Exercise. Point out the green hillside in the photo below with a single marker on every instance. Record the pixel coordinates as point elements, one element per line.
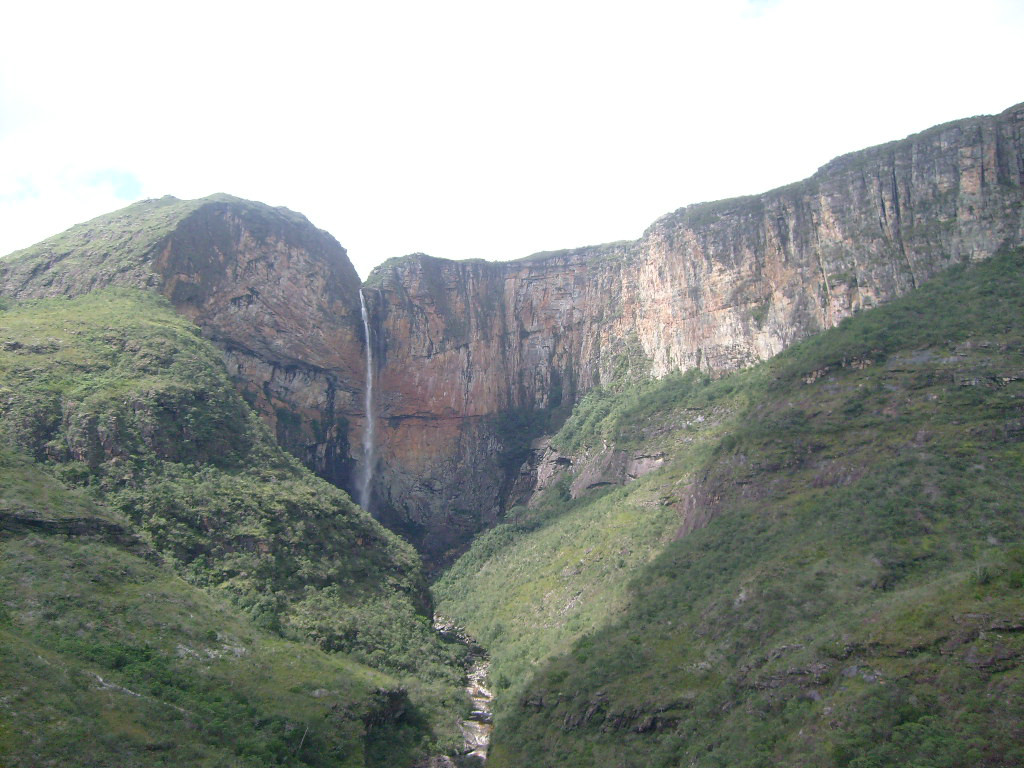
<point>827,570</point>
<point>125,427</point>
<point>108,658</point>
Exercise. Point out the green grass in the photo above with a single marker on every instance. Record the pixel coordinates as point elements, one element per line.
<point>826,571</point>
<point>116,661</point>
<point>109,658</point>
<point>27,494</point>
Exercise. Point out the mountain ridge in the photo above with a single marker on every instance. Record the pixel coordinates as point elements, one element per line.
<point>278,296</point>
<point>476,358</point>
<point>712,286</point>
<point>716,535</point>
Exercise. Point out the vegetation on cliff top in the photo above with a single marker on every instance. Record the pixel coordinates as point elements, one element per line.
<point>116,241</point>
<point>119,247</point>
<point>120,398</point>
<point>826,571</point>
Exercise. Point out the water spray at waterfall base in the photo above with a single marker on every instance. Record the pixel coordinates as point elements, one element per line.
<point>366,472</point>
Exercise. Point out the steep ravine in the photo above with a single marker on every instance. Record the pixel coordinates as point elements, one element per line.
<point>434,386</point>
<point>825,570</point>
<point>477,725</point>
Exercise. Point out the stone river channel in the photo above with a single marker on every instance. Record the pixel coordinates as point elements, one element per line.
<point>476,728</point>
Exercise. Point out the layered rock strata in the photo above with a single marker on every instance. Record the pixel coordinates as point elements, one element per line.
<point>467,347</point>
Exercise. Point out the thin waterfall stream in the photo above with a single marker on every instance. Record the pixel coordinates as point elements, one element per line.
<point>369,431</point>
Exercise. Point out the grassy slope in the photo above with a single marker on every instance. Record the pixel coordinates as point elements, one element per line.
<point>856,598</point>
<point>110,658</point>
<point>121,398</point>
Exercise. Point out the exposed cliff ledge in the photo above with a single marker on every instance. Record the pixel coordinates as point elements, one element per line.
<point>714,286</point>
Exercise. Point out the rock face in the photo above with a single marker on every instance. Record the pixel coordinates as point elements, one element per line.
<point>474,359</point>
<point>464,345</point>
<point>614,467</point>
<point>278,297</point>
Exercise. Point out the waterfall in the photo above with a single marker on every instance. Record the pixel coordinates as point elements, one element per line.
<point>366,475</point>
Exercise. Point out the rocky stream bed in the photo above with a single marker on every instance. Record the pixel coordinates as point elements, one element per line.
<point>476,727</point>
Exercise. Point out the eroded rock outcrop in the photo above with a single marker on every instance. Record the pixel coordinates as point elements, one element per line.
<point>278,296</point>
<point>614,467</point>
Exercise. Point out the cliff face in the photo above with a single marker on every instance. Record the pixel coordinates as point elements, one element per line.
<point>281,299</point>
<point>278,297</point>
<point>473,359</point>
<point>466,348</point>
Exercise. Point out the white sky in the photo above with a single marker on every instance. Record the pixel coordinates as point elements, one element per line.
<point>471,129</point>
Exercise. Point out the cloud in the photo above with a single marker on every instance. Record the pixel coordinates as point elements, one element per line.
<point>471,129</point>
<point>124,185</point>
<point>33,208</point>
